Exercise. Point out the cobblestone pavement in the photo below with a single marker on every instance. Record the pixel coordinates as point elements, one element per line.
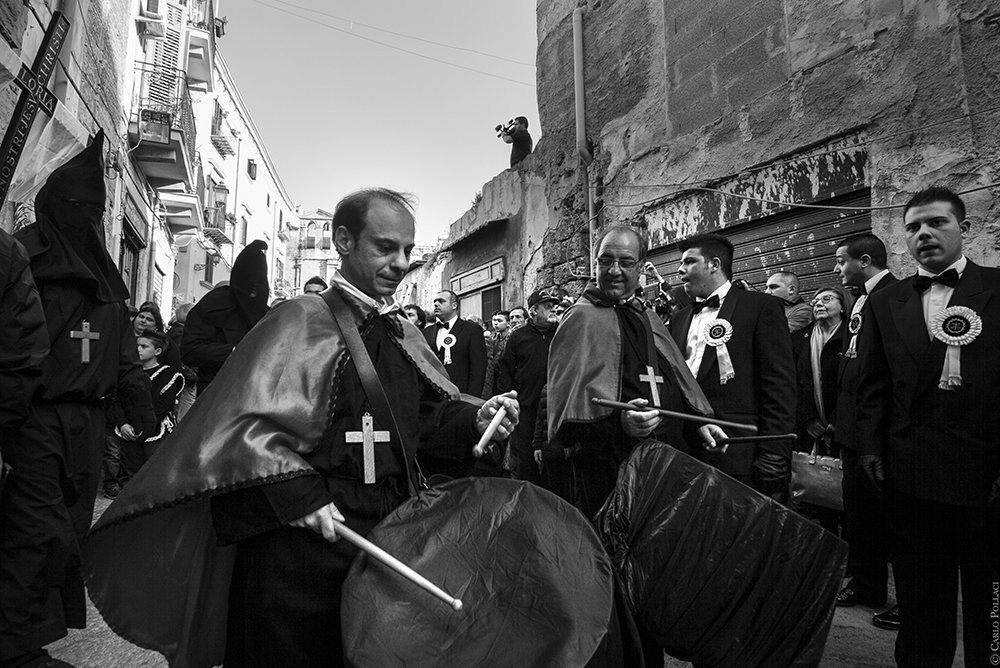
<point>853,641</point>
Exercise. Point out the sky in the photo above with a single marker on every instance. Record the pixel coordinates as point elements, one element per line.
<point>338,113</point>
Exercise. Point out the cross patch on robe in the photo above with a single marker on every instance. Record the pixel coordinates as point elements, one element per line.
<point>654,384</point>
<point>85,336</point>
<point>368,437</point>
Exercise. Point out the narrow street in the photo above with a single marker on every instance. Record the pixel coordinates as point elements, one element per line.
<point>853,641</point>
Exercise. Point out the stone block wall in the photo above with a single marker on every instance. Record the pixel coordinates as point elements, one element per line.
<point>689,92</point>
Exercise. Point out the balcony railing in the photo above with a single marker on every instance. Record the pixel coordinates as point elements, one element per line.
<point>165,90</point>
<point>163,129</point>
<point>201,44</point>
<point>220,227</point>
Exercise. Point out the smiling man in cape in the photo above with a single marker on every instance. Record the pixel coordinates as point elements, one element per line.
<point>611,346</point>
<point>224,546</point>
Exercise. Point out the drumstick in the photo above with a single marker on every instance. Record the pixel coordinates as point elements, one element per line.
<point>480,448</point>
<point>672,414</point>
<point>757,439</point>
<point>395,564</point>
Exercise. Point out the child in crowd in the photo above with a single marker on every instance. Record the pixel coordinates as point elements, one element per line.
<point>166,383</point>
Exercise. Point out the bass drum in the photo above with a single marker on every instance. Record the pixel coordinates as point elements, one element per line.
<point>536,586</point>
<point>716,573</point>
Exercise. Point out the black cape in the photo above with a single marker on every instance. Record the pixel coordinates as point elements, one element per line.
<point>153,565</point>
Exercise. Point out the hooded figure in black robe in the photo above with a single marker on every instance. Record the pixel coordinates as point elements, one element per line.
<point>223,317</point>
<point>56,455</point>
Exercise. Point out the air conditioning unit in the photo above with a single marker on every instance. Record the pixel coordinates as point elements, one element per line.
<point>154,126</point>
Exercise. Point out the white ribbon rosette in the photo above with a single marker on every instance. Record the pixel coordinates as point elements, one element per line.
<point>448,342</point>
<point>717,332</point>
<point>956,326</point>
<point>854,328</point>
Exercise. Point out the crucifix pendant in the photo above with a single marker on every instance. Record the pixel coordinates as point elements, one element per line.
<point>85,336</point>
<point>654,384</point>
<point>367,437</point>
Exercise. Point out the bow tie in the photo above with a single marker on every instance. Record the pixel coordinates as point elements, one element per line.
<point>444,325</point>
<point>711,302</point>
<point>923,283</point>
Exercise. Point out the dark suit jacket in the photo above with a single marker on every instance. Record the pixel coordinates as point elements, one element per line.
<point>850,371</point>
<point>939,445</point>
<point>829,362</point>
<point>468,357</point>
<point>763,391</point>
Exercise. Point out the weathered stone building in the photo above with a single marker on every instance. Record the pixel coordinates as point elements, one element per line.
<point>310,250</point>
<point>751,118</point>
<point>241,195</point>
<point>178,135</point>
<point>91,84</point>
<point>484,257</point>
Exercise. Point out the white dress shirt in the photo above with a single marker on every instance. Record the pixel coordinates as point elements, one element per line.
<point>383,305</point>
<point>869,286</point>
<point>696,335</point>
<point>937,297</point>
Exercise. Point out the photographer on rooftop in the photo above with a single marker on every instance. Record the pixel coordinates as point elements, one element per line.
<point>516,133</point>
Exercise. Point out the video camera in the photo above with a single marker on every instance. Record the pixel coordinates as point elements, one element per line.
<point>505,128</point>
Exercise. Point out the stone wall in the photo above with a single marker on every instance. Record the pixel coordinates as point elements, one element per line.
<point>788,101</point>
<point>95,55</point>
<point>695,92</point>
<point>508,220</point>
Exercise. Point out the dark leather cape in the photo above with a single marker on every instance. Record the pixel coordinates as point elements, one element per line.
<point>151,562</point>
<point>585,361</point>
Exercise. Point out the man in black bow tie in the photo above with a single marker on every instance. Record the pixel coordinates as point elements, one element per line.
<point>459,345</point>
<point>929,435</point>
<point>736,344</point>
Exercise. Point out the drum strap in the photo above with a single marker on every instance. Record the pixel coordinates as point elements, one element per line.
<point>366,372</point>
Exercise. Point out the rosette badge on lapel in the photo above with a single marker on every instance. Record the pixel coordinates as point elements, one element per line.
<point>956,326</point>
<point>854,328</point>
<point>447,343</point>
<point>717,333</point>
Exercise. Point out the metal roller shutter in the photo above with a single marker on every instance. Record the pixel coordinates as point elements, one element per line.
<point>803,241</point>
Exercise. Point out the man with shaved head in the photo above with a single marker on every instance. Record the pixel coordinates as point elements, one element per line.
<point>785,286</point>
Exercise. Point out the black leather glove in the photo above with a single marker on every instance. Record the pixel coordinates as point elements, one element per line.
<point>873,467</point>
<point>770,474</point>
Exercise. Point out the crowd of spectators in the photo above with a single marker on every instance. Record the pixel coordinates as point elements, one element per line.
<point>843,369</point>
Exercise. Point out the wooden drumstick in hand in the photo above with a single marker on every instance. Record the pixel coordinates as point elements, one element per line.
<point>395,564</point>
<point>487,436</point>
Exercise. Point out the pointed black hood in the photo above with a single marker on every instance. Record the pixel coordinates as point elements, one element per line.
<point>249,282</point>
<point>67,239</point>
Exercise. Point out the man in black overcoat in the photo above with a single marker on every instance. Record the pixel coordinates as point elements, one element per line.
<point>737,346</point>
<point>861,264</point>
<point>464,352</point>
<point>927,433</point>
